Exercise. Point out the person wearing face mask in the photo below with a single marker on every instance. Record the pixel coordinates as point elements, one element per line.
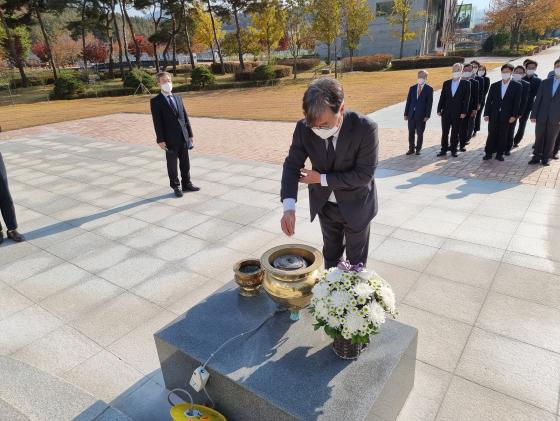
<point>343,149</point>
<point>484,82</point>
<point>518,75</point>
<point>546,115</point>
<point>452,108</point>
<point>173,134</point>
<point>417,111</point>
<point>501,110</point>
<point>467,124</point>
<point>534,82</point>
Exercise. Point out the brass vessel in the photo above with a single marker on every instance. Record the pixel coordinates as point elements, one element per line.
<point>249,276</point>
<point>291,288</point>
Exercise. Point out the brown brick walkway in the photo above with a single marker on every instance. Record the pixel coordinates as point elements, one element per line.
<point>269,142</point>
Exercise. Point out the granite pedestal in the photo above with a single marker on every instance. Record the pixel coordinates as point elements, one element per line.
<point>285,370</point>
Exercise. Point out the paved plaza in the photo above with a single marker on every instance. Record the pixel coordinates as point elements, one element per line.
<point>112,256</point>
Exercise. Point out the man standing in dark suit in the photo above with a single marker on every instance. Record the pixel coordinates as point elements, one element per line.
<point>535,82</point>
<point>472,122</point>
<point>467,124</point>
<point>7,208</point>
<point>546,115</point>
<point>452,108</point>
<point>486,86</point>
<point>342,147</point>
<point>418,110</point>
<point>518,75</point>
<point>173,133</point>
<point>501,110</point>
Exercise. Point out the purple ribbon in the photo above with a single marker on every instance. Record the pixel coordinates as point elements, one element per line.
<point>345,266</point>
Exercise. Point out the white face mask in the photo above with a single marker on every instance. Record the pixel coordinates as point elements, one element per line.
<point>517,77</point>
<point>557,71</point>
<point>326,133</point>
<point>481,73</point>
<point>456,75</point>
<point>506,76</point>
<point>421,81</point>
<point>530,72</point>
<point>166,87</point>
<point>467,74</point>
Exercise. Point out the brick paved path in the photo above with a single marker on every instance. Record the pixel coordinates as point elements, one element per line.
<point>269,142</point>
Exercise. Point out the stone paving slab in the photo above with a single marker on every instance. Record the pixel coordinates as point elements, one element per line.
<point>459,253</point>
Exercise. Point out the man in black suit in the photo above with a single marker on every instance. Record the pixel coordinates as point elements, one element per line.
<point>173,134</point>
<point>452,108</point>
<point>535,82</point>
<point>546,115</point>
<point>467,124</point>
<point>342,147</point>
<point>472,122</point>
<point>417,111</point>
<point>485,80</point>
<point>518,75</point>
<point>7,208</point>
<point>501,110</point>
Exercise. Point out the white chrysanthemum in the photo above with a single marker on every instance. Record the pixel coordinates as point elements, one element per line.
<point>354,322</point>
<point>334,275</point>
<point>340,298</point>
<point>333,321</point>
<point>364,275</point>
<point>363,290</point>
<point>322,310</point>
<point>320,290</point>
<point>388,297</point>
<point>376,314</point>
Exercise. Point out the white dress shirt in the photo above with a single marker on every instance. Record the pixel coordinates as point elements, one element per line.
<point>290,203</point>
<point>454,86</point>
<point>504,88</point>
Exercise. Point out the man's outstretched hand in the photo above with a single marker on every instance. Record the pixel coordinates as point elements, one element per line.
<point>288,223</point>
<point>162,145</point>
<point>309,176</point>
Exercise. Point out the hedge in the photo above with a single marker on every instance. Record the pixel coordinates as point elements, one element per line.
<point>136,76</point>
<point>264,72</point>
<point>372,63</point>
<point>425,61</point>
<point>303,64</point>
<point>281,71</point>
<point>244,75</point>
<point>201,76</point>
<point>67,86</point>
<point>231,67</point>
<point>462,52</point>
<point>526,50</point>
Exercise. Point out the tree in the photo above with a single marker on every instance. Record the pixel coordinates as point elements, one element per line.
<point>90,19</point>
<point>297,29</point>
<point>326,16</point>
<point>188,25</point>
<point>401,15</point>
<point>268,23</point>
<point>249,43</point>
<point>95,51</point>
<point>235,8</point>
<point>15,45</point>
<point>137,48</point>
<point>207,32</point>
<point>65,50</point>
<point>356,17</point>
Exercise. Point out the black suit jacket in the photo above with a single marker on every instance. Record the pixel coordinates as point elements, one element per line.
<point>351,179</point>
<point>171,128</point>
<point>481,92</point>
<point>525,91</point>
<point>454,106</point>
<point>535,84</point>
<point>500,110</point>
<point>474,99</point>
<point>419,106</point>
<point>546,106</point>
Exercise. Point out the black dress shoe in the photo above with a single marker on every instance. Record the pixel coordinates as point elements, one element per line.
<point>463,150</point>
<point>178,192</point>
<point>516,145</point>
<point>1,237</point>
<point>534,160</point>
<point>190,187</point>
<point>507,153</point>
<point>442,153</point>
<point>556,157</point>
<point>410,152</point>
<point>545,163</point>
<point>417,152</point>
<point>487,157</point>
<point>454,154</point>
<point>500,158</point>
<point>474,134</point>
<point>15,236</point>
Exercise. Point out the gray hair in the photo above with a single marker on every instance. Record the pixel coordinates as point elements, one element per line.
<point>162,74</point>
<point>321,95</point>
<point>458,66</point>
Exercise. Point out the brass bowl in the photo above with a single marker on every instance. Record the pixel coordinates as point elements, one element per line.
<point>291,288</point>
<point>249,281</point>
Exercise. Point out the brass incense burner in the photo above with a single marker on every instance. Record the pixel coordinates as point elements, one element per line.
<point>249,276</point>
<point>290,272</point>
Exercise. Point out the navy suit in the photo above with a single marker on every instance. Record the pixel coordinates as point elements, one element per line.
<point>418,107</point>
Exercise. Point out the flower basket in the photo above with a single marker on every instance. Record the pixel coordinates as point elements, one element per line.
<point>350,304</point>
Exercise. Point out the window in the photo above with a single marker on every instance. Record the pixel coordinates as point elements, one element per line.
<point>384,8</point>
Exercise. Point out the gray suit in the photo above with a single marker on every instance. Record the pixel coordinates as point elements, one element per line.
<point>346,223</point>
<point>546,109</point>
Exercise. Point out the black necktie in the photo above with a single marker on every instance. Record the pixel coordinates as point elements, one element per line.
<point>330,154</point>
<point>172,104</point>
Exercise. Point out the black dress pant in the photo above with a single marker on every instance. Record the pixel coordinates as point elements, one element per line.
<point>498,132</point>
<point>6,202</point>
<point>556,146</point>
<point>478,118</point>
<point>546,137</point>
<point>522,123</point>
<point>464,128</point>
<point>180,153</point>
<point>470,126</point>
<point>450,123</point>
<point>416,127</point>
<point>338,236</point>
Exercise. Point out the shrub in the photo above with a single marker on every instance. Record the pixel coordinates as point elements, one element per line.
<point>136,76</point>
<point>201,76</point>
<point>67,86</point>
<point>303,64</point>
<point>244,75</point>
<point>462,52</point>
<point>231,67</point>
<point>264,72</point>
<point>422,62</point>
<point>372,63</point>
<point>282,71</point>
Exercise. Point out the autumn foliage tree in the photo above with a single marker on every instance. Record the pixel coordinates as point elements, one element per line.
<point>356,17</point>
<point>401,16</point>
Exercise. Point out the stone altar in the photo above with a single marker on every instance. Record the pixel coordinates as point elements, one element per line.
<point>285,370</point>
